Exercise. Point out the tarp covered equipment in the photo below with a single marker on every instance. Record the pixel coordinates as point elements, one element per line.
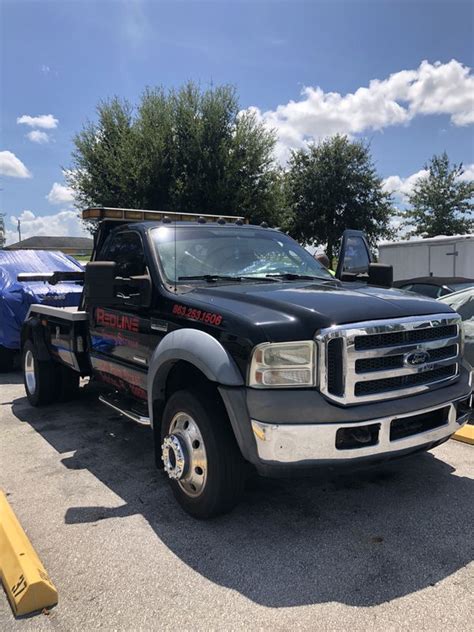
<point>16,297</point>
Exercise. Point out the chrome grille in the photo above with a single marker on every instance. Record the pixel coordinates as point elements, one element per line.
<point>371,361</point>
<point>392,338</point>
<point>364,365</point>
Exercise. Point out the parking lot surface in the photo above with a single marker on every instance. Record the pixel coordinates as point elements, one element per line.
<point>385,549</point>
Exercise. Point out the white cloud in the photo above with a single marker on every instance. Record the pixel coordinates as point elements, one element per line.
<point>45,121</point>
<point>38,137</point>
<point>401,188</point>
<point>468,174</point>
<point>60,194</point>
<point>64,223</point>
<point>12,166</point>
<point>430,89</point>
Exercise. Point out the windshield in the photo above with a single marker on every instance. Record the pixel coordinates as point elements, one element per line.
<point>461,286</point>
<point>206,251</point>
<point>462,303</point>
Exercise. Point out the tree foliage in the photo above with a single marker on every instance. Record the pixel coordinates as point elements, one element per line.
<point>332,186</point>
<point>185,150</point>
<point>441,203</point>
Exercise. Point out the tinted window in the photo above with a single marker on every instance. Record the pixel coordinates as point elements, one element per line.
<point>426,289</point>
<point>126,249</point>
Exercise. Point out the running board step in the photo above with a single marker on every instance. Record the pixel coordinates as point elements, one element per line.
<point>118,406</point>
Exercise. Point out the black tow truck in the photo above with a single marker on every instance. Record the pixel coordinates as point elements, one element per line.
<point>244,354</point>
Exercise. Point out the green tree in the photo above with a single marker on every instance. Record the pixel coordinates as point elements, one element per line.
<point>332,186</point>
<point>441,203</point>
<point>186,150</point>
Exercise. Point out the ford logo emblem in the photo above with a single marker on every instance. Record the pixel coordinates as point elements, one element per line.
<point>414,358</point>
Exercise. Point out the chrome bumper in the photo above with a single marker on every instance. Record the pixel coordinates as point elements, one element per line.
<point>300,443</point>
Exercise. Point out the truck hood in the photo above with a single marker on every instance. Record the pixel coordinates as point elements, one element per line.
<point>292,310</point>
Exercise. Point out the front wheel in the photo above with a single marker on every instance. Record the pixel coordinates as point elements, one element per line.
<point>200,454</point>
<point>39,376</point>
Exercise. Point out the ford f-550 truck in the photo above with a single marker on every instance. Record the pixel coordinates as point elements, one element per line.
<point>243,353</point>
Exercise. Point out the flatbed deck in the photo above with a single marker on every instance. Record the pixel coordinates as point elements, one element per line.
<point>67,313</point>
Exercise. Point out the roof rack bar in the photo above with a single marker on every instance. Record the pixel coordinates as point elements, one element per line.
<point>97,214</point>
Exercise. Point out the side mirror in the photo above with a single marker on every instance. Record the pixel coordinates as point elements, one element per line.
<point>99,282</point>
<point>102,287</point>
<point>354,255</point>
<point>349,277</point>
<point>380,274</point>
<point>133,290</point>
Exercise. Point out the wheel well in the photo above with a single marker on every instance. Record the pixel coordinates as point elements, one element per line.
<point>26,334</point>
<point>185,375</point>
<point>33,330</point>
<point>182,375</point>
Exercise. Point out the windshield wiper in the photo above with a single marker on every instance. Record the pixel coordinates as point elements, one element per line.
<point>210,278</point>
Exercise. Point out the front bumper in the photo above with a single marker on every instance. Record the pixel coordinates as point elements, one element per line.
<point>297,431</point>
<point>306,443</point>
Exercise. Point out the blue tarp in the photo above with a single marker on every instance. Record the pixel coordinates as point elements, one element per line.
<point>16,297</point>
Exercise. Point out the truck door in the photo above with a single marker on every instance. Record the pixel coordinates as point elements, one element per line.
<point>121,338</point>
<point>443,260</point>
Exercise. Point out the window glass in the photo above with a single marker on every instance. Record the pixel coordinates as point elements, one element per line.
<point>463,304</point>
<point>461,286</point>
<point>126,249</point>
<point>356,257</point>
<point>426,289</point>
<point>232,252</point>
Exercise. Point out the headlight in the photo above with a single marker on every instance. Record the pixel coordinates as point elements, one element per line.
<point>279,364</point>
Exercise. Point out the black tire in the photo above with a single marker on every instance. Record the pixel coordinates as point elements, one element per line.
<point>43,388</point>
<point>6,359</point>
<point>225,473</point>
<point>69,383</point>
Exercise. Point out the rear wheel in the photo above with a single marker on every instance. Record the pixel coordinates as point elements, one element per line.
<point>6,359</point>
<point>200,454</point>
<point>40,377</point>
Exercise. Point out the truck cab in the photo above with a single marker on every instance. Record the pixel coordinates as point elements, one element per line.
<point>244,354</point>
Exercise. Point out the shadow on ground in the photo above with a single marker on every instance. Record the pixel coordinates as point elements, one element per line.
<point>359,539</point>
<point>12,377</point>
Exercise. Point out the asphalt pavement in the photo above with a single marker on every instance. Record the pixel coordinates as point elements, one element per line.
<point>389,548</point>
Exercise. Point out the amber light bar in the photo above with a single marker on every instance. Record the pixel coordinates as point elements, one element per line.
<point>139,215</point>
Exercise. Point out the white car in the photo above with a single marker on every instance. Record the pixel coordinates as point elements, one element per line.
<point>463,303</point>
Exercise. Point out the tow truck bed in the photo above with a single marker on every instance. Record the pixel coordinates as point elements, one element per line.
<point>67,313</point>
<point>63,333</point>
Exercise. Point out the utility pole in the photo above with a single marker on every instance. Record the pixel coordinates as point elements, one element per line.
<point>19,230</point>
<point>2,231</point>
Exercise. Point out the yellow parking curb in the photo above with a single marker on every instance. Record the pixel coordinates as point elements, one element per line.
<point>466,434</point>
<point>24,577</point>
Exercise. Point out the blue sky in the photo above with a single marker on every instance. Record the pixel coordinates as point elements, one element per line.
<point>60,58</point>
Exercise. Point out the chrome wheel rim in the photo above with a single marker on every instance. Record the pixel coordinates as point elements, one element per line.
<point>29,368</point>
<point>184,454</point>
